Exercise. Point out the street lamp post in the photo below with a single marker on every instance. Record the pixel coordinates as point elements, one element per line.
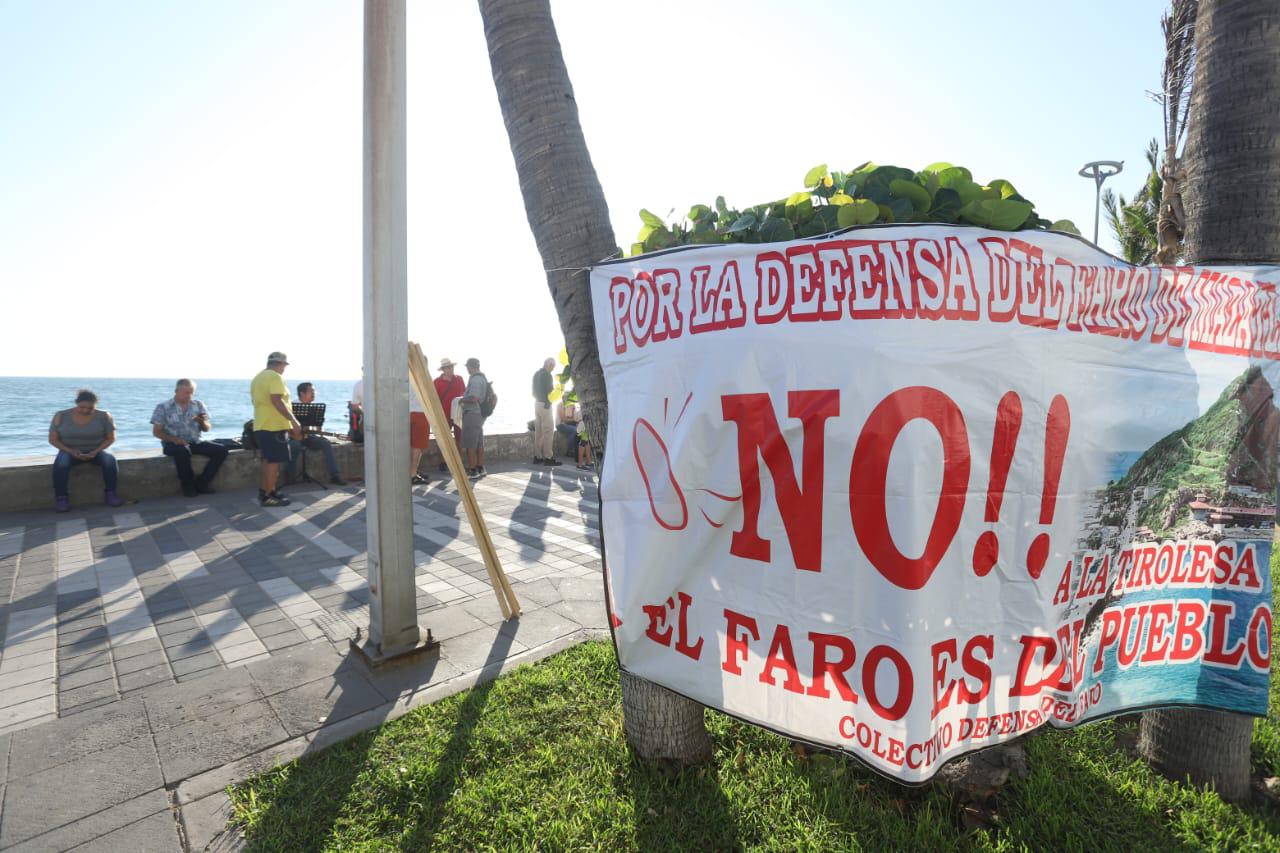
<point>1100,170</point>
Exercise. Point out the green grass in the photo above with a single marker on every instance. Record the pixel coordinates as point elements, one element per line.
<point>537,759</point>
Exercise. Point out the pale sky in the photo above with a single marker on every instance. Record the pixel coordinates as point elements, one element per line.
<point>180,183</point>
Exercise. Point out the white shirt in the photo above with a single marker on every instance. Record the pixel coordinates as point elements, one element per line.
<point>415,404</point>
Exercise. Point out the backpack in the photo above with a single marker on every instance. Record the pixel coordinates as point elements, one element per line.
<point>355,421</point>
<point>490,401</point>
<point>247,440</point>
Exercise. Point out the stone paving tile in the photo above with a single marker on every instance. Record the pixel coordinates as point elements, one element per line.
<point>69,700</point>
<point>213,740</point>
<point>295,667</point>
<point>89,829</point>
<point>88,675</point>
<point>66,741</point>
<point>206,824</point>
<point>198,662</point>
<point>180,704</point>
<point>155,834</point>
<point>68,792</point>
<point>307,707</point>
<point>480,648</point>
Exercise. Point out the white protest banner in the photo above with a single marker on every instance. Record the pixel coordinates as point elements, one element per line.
<point>912,491</point>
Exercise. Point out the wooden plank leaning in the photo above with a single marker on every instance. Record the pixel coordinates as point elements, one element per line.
<point>420,377</point>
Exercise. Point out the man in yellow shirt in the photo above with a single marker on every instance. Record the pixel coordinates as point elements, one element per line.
<point>273,423</point>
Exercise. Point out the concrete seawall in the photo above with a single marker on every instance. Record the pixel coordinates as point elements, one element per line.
<point>27,483</point>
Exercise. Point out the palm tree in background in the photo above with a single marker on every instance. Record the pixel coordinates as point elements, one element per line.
<point>1179,26</point>
<point>569,218</point>
<point>1232,163</point>
<point>1133,223</point>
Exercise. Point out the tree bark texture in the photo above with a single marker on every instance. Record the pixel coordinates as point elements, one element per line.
<point>661,725</point>
<point>1232,155</point>
<point>1232,201</point>
<point>1207,747</point>
<point>569,219</point>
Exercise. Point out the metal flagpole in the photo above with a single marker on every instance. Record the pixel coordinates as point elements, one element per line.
<point>393,616</point>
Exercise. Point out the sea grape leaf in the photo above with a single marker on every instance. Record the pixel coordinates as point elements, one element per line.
<point>814,175</point>
<point>651,219</point>
<point>946,205</point>
<point>917,195</point>
<point>828,217</point>
<point>949,176</point>
<point>1001,214</point>
<point>776,230</point>
<point>1065,225</point>
<point>903,210</point>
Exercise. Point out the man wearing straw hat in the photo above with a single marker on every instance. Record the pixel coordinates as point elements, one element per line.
<point>450,387</point>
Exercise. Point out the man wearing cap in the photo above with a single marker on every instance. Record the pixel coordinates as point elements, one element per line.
<point>472,419</point>
<point>449,387</point>
<point>273,424</point>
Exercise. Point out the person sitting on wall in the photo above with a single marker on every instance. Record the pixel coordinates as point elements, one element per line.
<point>83,434</point>
<point>313,440</point>
<point>567,420</point>
<point>179,422</point>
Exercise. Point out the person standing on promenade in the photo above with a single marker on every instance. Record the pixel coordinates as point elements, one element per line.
<point>544,427</point>
<point>450,387</point>
<point>313,440</point>
<point>419,430</point>
<point>83,434</point>
<point>473,419</point>
<point>178,422</point>
<point>419,436</point>
<point>273,424</point>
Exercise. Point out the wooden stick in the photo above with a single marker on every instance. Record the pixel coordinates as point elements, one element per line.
<point>420,377</point>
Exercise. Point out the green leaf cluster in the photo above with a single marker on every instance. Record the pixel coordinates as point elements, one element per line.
<point>833,200</point>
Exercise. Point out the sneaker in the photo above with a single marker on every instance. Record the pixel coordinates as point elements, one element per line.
<point>481,471</point>
<point>552,462</point>
<point>281,498</point>
<point>61,503</point>
<point>473,473</point>
<point>273,500</point>
<point>112,498</point>
<point>337,481</point>
<point>419,479</point>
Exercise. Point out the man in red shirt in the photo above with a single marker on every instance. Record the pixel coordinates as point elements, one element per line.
<point>448,388</point>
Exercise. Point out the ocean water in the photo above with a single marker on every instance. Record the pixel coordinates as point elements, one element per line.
<point>28,403</point>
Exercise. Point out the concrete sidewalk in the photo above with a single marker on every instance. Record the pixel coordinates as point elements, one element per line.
<point>153,656</point>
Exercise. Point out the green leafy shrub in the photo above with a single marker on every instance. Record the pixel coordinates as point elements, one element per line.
<point>834,200</point>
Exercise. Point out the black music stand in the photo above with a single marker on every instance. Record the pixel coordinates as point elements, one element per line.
<point>311,416</point>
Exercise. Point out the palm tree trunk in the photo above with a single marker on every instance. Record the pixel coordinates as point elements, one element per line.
<point>1233,216</point>
<point>570,222</point>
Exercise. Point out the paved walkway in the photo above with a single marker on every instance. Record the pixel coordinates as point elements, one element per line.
<point>151,655</point>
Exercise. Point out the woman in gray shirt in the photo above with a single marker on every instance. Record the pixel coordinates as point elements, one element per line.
<point>83,434</point>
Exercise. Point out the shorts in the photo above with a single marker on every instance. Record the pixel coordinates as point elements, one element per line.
<point>472,430</point>
<point>419,433</point>
<point>274,445</point>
